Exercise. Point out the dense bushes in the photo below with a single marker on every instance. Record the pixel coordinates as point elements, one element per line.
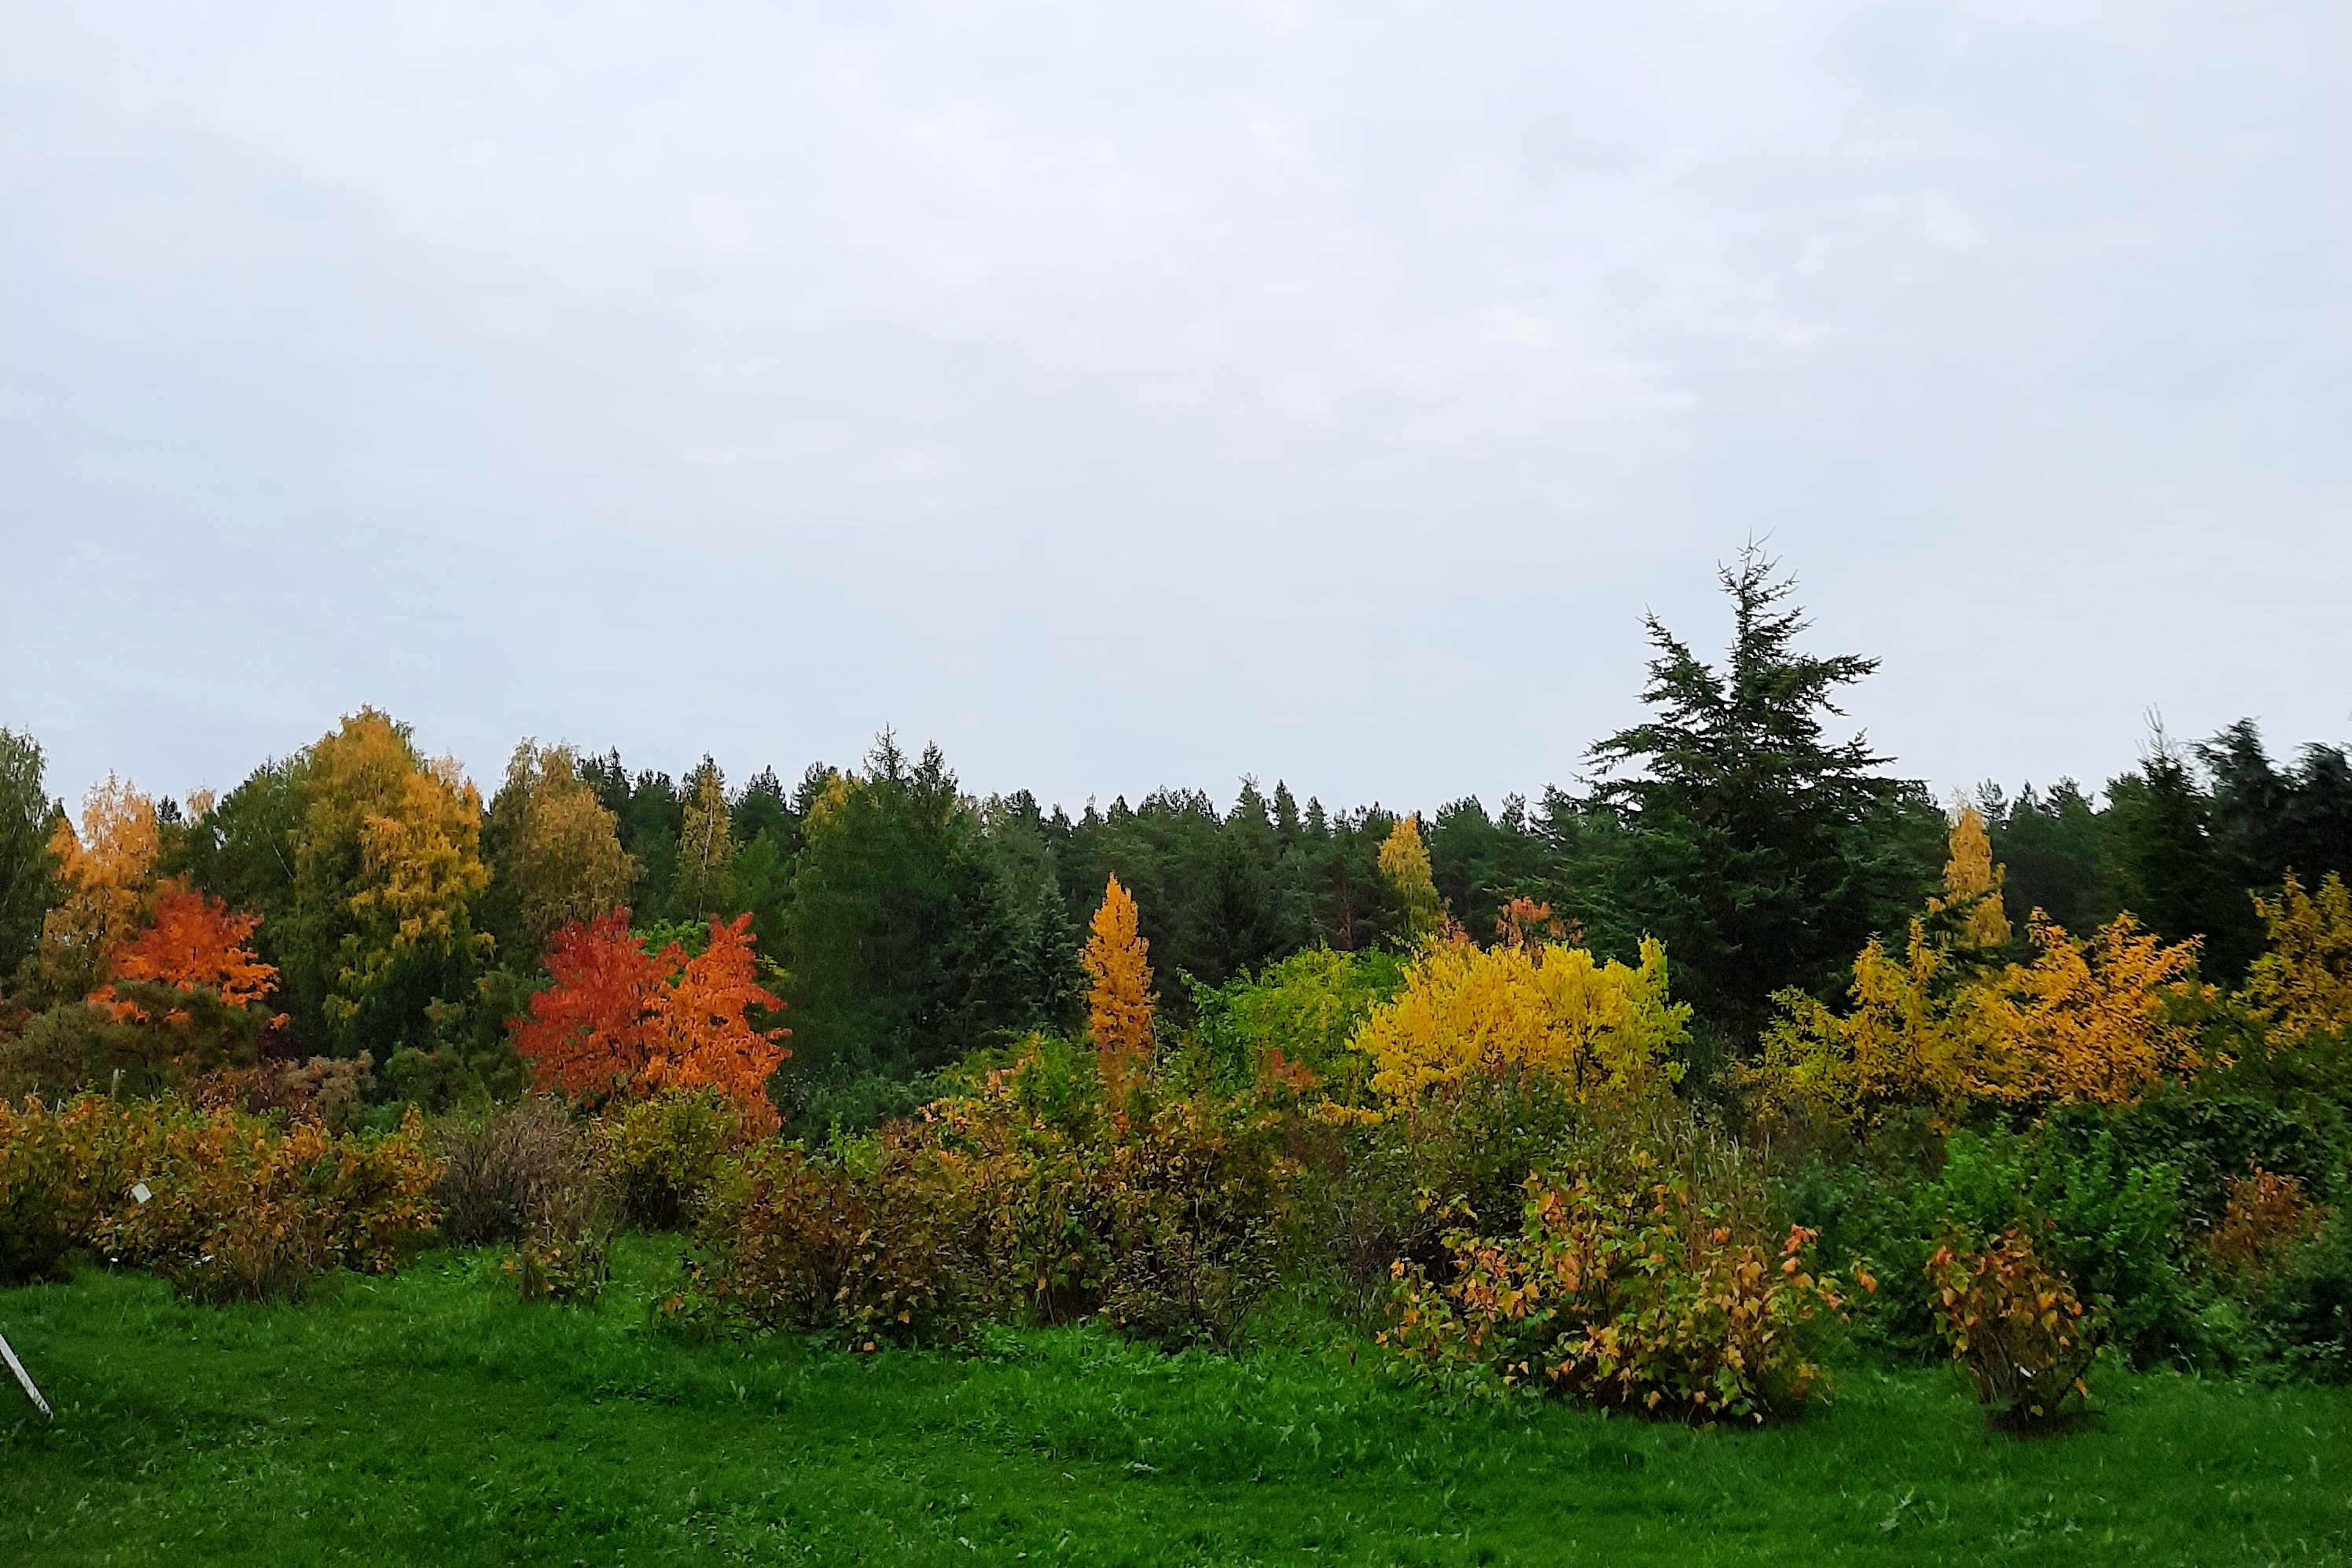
<point>1645,1274</point>
<point>237,1206</point>
<point>1028,1199</point>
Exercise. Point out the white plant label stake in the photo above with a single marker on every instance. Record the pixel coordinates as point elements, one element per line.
<point>24,1378</point>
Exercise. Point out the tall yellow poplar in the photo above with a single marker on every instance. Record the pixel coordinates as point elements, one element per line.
<point>1405,863</point>
<point>1973,884</point>
<point>1120,998</point>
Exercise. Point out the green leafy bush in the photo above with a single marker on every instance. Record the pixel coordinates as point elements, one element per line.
<point>661,1153</point>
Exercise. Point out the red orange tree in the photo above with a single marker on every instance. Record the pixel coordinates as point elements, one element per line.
<point>620,1020</point>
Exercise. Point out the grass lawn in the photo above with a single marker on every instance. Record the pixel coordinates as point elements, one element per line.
<point>432,1419</point>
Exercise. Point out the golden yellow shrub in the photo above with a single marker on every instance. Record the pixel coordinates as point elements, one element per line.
<point>1597,1028</point>
<point>2304,984</point>
<point>2086,1020</point>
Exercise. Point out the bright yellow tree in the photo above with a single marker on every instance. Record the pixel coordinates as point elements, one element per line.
<point>1119,996</point>
<point>1405,861</point>
<point>108,869</point>
<point>1595,1029</point>
<point>1901,1043</point>
<point>1973,884</point>
<point>2089,1020</point>
<point>2302,986</point>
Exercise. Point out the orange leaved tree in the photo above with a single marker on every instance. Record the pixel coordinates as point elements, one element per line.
<point>697,1033</point>
<point>620,1020</point>
<point>195,944</point>
<point>1119,997</point>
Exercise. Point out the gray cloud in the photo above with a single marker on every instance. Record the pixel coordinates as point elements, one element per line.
<point>1143,394</point>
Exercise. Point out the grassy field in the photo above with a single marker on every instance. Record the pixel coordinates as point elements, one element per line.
<point>431,1418</point>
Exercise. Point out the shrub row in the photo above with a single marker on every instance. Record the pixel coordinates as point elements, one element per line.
<point>235,1206</point>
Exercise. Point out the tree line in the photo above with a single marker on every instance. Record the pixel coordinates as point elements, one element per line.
<point>903,922</point>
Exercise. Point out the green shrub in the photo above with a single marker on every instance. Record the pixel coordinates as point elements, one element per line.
<point>662,1151</point>
<point>2113,1221</point>
<point>1307,1007</point>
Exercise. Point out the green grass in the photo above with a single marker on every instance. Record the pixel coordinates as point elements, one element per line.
<point>431,1418</point>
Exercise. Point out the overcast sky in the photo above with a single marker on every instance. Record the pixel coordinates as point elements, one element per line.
<point>1129,395</point>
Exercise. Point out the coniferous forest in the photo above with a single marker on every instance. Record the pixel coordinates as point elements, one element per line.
<point>1740,1073</point>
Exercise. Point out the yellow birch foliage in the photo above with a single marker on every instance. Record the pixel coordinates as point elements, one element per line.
<point>109,872</point>
<point>1973,884</point>
<point>1596,1028</point>
<point>553,851</point>
<point>2302,986</point>
<point>1118,999</point>
<point>2086,1020</point>
<point>1405,861</point>
<point>1899,1045</point>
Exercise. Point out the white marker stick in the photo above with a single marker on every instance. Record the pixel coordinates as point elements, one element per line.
<point>24,1378</point>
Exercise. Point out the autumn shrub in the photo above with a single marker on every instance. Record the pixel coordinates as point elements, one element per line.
<point>1646,1272</point>
<point>36,1222</point>
<point>242,1208</point>
<point>505,1167</point>
<point>2013,1323</point>
<point>1458,1154</point>
<point>1170,1231</point>
<point>660,1154</point>
<point>1166,1214</point>
<point>1600,1030</point>
<point>2097,1020</point>
<point>2302,987</point>
<point>2265,1220</point>
<point>1028,1197</point>
<point>329,1090</point>
<point>878,1245</point>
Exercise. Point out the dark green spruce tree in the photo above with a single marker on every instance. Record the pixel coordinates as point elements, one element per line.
<point>1762,851</point>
